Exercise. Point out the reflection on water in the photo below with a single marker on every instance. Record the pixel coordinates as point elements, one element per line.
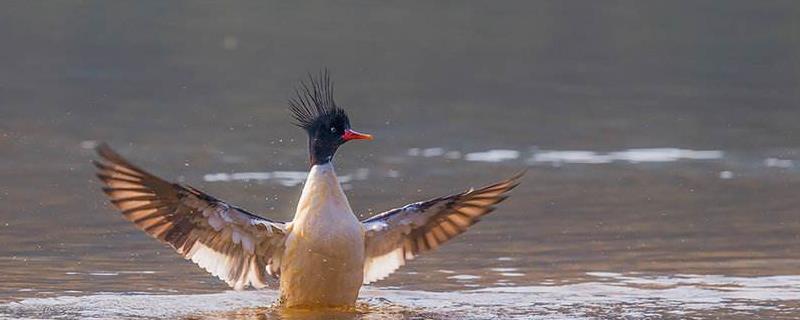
<point>557,157</point>
<point>605,294</point>
<point>284,178</point>
<point>778,163</point>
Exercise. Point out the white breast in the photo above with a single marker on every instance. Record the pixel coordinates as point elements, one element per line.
<point>324,256</point>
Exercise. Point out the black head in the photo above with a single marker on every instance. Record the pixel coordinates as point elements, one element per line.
<point>327,125</point>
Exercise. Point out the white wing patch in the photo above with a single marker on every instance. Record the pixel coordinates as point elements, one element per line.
<point>398,235</point>
<point>375,268</point>
<point>219,265</point>
<point>232,244</point>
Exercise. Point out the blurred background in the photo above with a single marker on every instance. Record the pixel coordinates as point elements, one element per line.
<point>661,140</point>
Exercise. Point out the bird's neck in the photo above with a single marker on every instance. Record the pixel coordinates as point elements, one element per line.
<point>322,195</point>
<point>320,152</point>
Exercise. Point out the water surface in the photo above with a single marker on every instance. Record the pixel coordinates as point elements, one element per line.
<point>661,142</point>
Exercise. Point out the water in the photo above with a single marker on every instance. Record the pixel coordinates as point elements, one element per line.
<point>607,295</point>
<point>661,142</point>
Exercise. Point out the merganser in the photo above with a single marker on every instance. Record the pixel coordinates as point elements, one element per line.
<point>325,254</point>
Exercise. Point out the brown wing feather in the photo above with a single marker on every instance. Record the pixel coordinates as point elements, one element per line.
<point>398,235</point>
<point>238,247</point>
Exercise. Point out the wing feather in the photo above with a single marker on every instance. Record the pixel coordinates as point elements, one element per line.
<point>400,234</point>
<point>236,246</point>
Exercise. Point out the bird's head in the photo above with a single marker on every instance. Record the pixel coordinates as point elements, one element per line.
<point>327,125</point>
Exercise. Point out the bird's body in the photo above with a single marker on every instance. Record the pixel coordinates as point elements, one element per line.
<point>324,255</point>
<point>315,270</point>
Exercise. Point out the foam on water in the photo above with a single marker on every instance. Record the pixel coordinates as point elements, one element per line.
<point>606,294</point>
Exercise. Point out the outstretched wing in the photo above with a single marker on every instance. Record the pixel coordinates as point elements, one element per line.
<point>401,234</point>
<point>238,247</point>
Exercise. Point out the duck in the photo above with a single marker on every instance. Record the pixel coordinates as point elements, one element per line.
<point>321,258</point>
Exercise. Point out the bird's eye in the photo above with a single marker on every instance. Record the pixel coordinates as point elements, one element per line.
<point>333,129</point>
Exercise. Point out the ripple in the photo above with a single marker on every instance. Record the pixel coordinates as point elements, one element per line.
<point>284,178</point>
<point>637,155</point>
<point>634,155</point>
<point>464,277</point>
<point>778,163</point>
<point>637,296</point>
<point>497,155</point>
<point>504,269</point>
<point>512,274</point>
